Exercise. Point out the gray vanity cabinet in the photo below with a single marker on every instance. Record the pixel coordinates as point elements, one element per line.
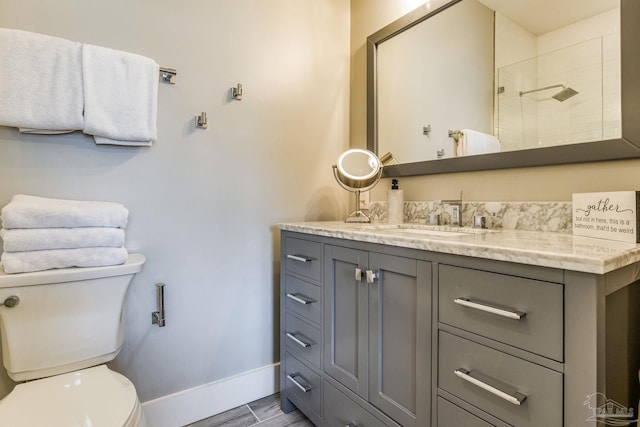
<point>376,330</point>
<point>496,332</point>
<point>377,335</point>
<point>400,338</point>
<point>346,318</point>
<point>301,325</point>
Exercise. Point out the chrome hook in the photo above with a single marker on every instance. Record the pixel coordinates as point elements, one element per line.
<point>236,92</point>
<point>201,121</point>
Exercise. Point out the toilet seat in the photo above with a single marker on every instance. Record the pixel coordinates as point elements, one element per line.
<point>93,397</point>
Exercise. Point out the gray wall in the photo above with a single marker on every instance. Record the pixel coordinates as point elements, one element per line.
<point>203,203</point>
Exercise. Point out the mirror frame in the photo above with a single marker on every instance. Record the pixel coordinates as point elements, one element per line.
<point>626,147</point>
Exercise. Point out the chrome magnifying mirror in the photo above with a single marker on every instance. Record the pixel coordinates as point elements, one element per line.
<point>358,170</point>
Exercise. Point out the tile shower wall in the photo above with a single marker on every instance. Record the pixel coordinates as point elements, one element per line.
<point>590,65</point>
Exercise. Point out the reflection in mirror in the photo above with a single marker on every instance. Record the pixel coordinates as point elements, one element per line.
<point>558,82</point>
<point>358,170</point>
<point>486,76</point>
<point>437,75</point>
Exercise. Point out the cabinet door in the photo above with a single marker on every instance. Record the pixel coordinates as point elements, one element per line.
<point>400,338</point>
<point>345,318</point>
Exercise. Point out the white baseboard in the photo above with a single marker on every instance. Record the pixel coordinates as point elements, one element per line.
<point>188,406</point>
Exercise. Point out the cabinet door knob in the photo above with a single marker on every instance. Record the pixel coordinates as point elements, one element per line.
<point>372,275</point>
<point>358,274</point>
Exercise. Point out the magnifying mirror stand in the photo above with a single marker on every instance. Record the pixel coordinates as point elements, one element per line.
<point>358,215</point>
<point>359,170</point>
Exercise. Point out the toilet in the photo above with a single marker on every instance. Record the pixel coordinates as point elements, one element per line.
<point>66,325</point>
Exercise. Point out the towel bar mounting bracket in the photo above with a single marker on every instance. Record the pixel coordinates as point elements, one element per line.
<point>168,75</point>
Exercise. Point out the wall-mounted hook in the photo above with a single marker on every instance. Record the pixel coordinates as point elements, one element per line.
<point>201,121</point>
<point>236,92</point>
<point>426,130</point>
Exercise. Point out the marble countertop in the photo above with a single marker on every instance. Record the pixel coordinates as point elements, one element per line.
<point>547,249</point>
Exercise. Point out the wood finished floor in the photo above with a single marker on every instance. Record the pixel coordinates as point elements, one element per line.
<point>261,413</point>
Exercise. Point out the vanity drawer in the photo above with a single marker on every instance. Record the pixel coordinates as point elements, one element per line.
<point>517,311</point>
<point>303,257</point>
<point>450,415</point>
<point>302,384</point>
<point>303,339</point>
<point>478,375</point>
<point>345,412</point>
<point>303,298</point>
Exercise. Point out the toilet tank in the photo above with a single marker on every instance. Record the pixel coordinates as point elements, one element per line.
<point>67,319</point>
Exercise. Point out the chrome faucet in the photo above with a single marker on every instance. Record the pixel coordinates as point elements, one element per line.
<point>455,210</point>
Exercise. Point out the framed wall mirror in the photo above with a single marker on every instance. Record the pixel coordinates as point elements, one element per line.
<point>466,85</point>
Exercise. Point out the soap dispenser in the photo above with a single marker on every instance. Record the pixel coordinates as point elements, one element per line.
<point>395,204</point>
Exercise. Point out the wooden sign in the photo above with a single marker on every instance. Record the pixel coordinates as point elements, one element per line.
<point>612,215</point>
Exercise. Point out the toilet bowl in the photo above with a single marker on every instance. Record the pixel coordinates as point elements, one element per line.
<point>90,397</point>
<point>60,329</point>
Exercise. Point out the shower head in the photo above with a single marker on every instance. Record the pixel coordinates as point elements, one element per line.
<point>565,94</point>
<point>561,96</point>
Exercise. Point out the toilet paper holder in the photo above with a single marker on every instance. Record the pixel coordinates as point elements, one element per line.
<point>157,317</point>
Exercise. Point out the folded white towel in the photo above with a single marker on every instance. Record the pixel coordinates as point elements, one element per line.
<point>44,131</point>
<point>37,239</point>
<point>24,262</point>
<point>120,96</point>
<point>40,82</point>
<point>40,212</point>
<point>473,142</point>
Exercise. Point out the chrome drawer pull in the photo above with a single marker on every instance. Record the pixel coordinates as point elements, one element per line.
<point>300,258</point>
<point>296,298</point>
<point>302,387</point>
<point>511,314</point>
<point>516,398</point>
<point>298,341</point>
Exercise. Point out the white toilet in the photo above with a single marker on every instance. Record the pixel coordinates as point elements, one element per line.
<point>66,325</point>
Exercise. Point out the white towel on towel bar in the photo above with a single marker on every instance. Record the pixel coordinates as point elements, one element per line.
<point>40,82</point>
<point>38,239</point>
<point>24,262</point>
<point>45,131</point>
<point>120,96</point>
<point>40,212</point>
<point>473,142</point>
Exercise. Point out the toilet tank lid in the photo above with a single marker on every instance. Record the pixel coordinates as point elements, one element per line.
<point>131,266</point>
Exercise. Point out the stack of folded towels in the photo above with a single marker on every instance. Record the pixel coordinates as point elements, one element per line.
<point>40,234</point>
